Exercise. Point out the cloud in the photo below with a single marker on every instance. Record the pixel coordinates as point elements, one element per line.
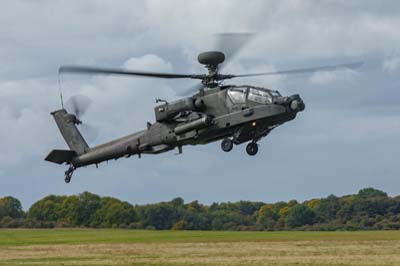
<point>391,63</point>
<point>149,62</point>
<point>25,118</point>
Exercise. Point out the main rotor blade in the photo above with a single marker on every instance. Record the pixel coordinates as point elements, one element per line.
<point>301,70</point>
<point>117,71</point>
<point>231,43</point>
<point>191,90</point>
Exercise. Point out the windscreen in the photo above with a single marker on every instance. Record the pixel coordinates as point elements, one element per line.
<point>259,96</point>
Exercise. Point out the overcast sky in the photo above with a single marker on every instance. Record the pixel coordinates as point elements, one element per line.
<point>346,139</point>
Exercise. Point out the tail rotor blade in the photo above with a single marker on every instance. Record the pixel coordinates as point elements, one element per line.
<point>90,132</point>
<point>78,104</point>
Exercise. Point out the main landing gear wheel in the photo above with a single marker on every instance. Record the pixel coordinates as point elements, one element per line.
<point>227,145</point>
<point>252,148</point>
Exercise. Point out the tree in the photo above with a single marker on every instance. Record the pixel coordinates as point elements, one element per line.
<point>313,203</point>
<point>327,208</point>
<point>196,219</point>
<point>177,201</point>
<point>88,205</point>
<point>225,219</point>
<point>394,207</point>
<point>194,205</point>
<point>46,209</point>
<point>160,216</point>
<point>371,192</point>
<point>267,217</point>
<point>248,207</point>
<point>179,225</point>
<point>113,212</point>
<point>120,213</point>
<point>370,206</point>
<point>279,205</point>
<point>299,215</point>
<point>69,211</point>
<point>284,211</point>
<point>11,207</point>
<point>369,209</point>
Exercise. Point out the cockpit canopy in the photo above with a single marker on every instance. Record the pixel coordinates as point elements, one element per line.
<point>241,94</point>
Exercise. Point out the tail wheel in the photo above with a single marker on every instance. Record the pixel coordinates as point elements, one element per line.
<point>227,145</point>
<point>67,178</point>
<point>252,148</point>
<point>68,174</point>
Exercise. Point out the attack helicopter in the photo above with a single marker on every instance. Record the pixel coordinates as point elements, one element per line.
<point>233,114</point>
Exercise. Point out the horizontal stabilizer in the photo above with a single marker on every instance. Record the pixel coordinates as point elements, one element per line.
<point>60,156</point>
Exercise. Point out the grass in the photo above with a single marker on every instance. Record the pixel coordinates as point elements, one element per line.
<point>138,247</point>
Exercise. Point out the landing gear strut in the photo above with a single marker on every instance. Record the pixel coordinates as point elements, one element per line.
<point>68,174</point>
<point>227,145</point>
<point>252,148</point>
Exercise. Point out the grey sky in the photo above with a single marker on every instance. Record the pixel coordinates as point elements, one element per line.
<point>346,139</point>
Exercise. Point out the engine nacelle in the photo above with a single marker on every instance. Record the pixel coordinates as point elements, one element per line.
<point>168,111</point>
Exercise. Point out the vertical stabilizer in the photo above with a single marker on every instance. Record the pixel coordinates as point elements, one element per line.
<point>67,124</point>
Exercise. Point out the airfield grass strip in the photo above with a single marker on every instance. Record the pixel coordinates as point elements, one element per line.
<point>15,237</point>
<point>279,253</point>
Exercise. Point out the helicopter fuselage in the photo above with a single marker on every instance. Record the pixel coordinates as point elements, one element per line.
<point>240,113</point>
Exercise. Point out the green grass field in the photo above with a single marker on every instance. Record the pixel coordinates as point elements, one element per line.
<point>137,247</point>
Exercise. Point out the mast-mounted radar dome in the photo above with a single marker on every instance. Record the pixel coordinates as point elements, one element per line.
<point>211,58</point>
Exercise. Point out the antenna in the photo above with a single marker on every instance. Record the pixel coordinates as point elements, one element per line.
<point>59,87</point>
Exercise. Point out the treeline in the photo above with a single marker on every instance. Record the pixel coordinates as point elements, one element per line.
<point>367,210</point>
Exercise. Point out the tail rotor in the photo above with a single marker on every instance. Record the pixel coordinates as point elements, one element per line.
<point>77,106</point>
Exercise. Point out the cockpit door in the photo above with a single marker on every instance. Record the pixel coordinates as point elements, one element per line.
<point>237,97</point>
